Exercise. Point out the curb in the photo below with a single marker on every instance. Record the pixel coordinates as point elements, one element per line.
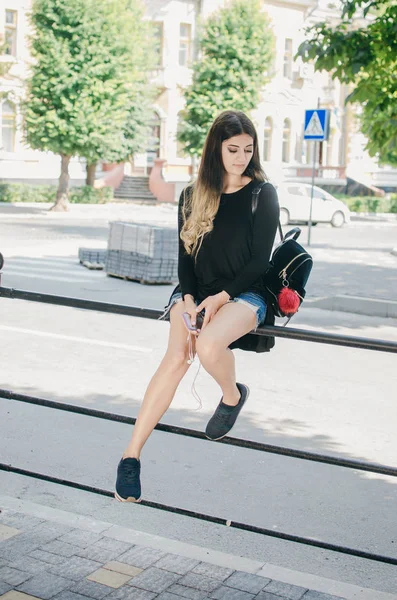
<point>215,557</point>
<point>356,304</point>
<point>379,217</point>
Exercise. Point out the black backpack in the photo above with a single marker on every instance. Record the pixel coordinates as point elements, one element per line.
<point>289,269</point>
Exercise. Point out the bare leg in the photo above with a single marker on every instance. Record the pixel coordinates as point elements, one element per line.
<point>163,385</point>
<point>231,322</point>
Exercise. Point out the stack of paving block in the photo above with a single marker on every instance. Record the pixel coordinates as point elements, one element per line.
<point>142,252</point>
<point>92,258</point>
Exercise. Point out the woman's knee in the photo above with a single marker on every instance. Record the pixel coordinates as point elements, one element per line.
<point>208,350</point>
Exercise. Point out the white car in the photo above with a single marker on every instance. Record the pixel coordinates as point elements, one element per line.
<point>294,199</point>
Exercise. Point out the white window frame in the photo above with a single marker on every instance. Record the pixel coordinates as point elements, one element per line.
<point>8,121</point>
<point>267,139</point>
<point>185,45</point>
<point>180,148</point>
<point>286,146</point>
<point>159,38</point>
<point>288,58</point>
<point>11,29</point>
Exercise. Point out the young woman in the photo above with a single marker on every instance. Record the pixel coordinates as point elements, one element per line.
<point>224,250</point>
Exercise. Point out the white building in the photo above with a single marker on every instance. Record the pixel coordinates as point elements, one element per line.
<point>279,117</point>
<point>17,161</point>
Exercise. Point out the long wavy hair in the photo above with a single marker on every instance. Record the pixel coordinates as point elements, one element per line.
<point>202,202</point>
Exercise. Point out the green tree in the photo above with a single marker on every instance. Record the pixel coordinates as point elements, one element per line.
<point>133,135</point>
<point>89,58</point>
<point>363,53</point>
<point>236,48</point>
<point>116,142</point>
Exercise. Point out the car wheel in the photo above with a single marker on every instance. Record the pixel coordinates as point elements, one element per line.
<point>284,216</point>
<point>338,219</point>
<point>1,261</point>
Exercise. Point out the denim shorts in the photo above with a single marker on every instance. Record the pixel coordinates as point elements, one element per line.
<point>253,301</point>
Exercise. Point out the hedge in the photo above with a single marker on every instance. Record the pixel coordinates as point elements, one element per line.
<point>370,204</point>
<point>22,192</point>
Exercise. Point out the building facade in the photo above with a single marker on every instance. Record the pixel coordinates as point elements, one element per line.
<point>18,162</point>
<point>279,117</point>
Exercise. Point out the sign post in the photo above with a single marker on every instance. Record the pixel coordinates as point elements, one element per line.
<point>316,130</point>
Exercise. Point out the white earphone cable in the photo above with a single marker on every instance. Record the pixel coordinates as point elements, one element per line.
<point>190,362</point>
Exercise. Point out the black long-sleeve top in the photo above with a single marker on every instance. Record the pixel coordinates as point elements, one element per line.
<point>235,254</point>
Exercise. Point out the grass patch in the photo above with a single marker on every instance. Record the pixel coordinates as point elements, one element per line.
<point>23,192</point>
<point>370,204</point>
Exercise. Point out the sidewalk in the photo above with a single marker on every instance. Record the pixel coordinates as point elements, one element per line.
<point>48,553</point>
<point>78,210</point>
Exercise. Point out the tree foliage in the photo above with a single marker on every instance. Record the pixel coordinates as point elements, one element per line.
<point>89,73</point>
<point>361,50</point>
<point>236,48</point>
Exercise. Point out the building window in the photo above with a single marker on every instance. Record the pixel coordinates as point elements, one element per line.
<point>286,140</point>
<point>185,42</point>
<point>287,71</point>
<point>180,146</point>
<point>154,136</point>
<point>267,142</point>
<point>8,127</point>
<point>10,31</point>
<point>328,151</point>
<point>158,34</point>
<point>308,152</point>
<point>298,148</point>
<point>272,66</point>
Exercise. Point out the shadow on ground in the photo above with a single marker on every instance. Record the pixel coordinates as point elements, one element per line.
<point>335,504</point>
<point>11,209</point>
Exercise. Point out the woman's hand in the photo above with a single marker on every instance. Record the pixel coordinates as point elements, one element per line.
<point>190,308</point>
<point>211,305</point>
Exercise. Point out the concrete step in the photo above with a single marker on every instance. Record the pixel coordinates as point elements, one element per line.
<point>140,200</point>
<point>141,190</point>
<point>132,191</point>
<point>136,180</point>
<point>135,197</point>
<point>144,184</point>
<point>134,188</point>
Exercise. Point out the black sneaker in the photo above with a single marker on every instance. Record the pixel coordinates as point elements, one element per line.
<point>225,416</point>
<point>128,484</point>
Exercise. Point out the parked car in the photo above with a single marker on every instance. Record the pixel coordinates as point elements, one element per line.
<point>294,199</point>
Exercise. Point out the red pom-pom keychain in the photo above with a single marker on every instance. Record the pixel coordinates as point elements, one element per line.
<point>288,301</point>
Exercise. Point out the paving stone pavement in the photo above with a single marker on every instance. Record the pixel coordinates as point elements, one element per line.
<point>44,559</point>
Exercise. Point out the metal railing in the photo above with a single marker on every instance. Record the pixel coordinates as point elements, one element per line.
<point>289,333</point>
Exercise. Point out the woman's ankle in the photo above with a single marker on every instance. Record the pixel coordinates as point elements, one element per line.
<point>131,454</point>
<point>233,398</point>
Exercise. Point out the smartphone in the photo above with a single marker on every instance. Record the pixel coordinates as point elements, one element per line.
<point>188,324</point>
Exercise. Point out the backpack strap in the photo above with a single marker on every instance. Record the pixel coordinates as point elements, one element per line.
<point>255,195</point>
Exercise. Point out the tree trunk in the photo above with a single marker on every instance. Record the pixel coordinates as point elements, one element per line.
<point>90,174</point>
<point>62,200</point>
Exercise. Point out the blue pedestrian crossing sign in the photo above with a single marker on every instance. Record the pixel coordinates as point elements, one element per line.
<point>316,124</point>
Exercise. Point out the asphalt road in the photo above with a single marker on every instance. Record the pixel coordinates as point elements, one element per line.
<point>41,248</point>
<point>320,398</point>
